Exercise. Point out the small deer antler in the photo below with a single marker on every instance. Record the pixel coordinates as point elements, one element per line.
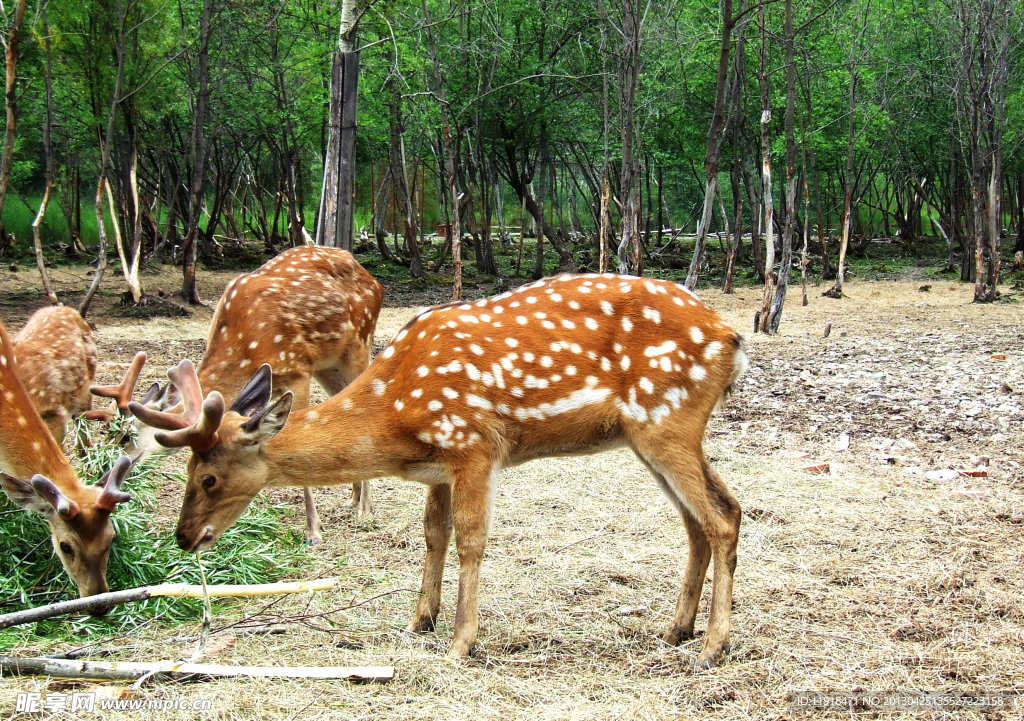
<point>121,393</point>
<point>112,493</point>
<point>48,491</point>
<point>196,426</point>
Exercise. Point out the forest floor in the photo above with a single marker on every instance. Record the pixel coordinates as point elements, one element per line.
<point>867,578</point>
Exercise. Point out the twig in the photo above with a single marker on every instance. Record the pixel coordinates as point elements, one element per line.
<point>105,600</point>
<point>125,671</point>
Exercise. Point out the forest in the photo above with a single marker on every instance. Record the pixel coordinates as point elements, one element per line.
<point>720,143</point>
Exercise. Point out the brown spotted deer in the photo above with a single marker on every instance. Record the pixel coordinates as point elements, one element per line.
<point>56,357</point>
<point>36,476</point>
<point>309,313</point>
<point>572,365</point>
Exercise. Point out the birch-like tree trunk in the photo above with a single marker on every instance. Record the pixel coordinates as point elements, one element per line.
<point>48,150</point>
<point>10,103</point>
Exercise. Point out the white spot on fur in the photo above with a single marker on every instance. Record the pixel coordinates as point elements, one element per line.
<point>713,349</point>
<point>697,372</point>
<point>656,350</point>
<point>435,405</point>
<point>651,314</point>
<point>625,363</point>
<point>627,324</point>
<point>696,335</point>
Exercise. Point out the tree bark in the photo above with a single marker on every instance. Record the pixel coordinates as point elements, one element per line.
<point>449,159</point>
<point>190,244</point>
<point>337,201</point>
<point>766,177</point>
<point>48,150</point>
<point>10,103</point>
<point>718,120</point>
<point>775,315</point>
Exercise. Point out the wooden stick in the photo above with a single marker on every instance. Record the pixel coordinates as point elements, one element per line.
<point>105,600</point>
<point>123,671</point>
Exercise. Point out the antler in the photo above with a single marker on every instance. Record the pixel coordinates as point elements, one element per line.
<point>112,493</point>
<point>48,491</point>
<point>121,393</point>
<point>196,426</point>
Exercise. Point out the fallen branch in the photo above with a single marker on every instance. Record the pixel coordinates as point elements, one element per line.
<point>106,600</point>
<point>123,671</point>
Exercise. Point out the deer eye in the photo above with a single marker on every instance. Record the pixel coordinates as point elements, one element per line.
<point>67,549</point>
<point>208,482</point>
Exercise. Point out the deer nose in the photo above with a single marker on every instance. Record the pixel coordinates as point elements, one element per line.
<point>99,611</point>
<point>183,541</point>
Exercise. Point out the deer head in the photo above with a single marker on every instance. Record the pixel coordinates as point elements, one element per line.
<point>247,425</point>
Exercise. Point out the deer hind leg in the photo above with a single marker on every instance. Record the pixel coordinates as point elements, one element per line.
<point>712,519</point>
<point>333,381</point>
<point>472,508</point>
<point>437,530</point>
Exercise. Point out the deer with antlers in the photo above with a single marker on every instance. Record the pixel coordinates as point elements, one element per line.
<point>36,476</point>
<point>568,366</point>
<point>309,314</point>
<point>56,357</point>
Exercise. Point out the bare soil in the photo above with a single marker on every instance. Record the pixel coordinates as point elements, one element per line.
<point>866,579</point>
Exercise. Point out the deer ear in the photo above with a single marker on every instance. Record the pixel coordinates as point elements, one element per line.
<point>23,495</point>
<point>268,422</point>
<point>152,393</point>
<point>168,397</point>
<point>256,393</point>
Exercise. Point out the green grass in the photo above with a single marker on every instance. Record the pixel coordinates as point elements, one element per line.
<point>257,549</point>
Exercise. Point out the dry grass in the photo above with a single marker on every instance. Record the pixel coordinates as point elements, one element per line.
<point>865,581</point>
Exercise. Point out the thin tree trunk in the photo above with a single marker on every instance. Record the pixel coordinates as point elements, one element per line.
<point>718,120</point>
<point>48,150</point>
<point>190,244</point>
<point>449,159</point>
<point>779,300</point>
<point>836,291</point>
<point>10,102</point>
<point>766,178</point>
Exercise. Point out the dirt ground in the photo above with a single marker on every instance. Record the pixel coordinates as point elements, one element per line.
<point>867,578</point>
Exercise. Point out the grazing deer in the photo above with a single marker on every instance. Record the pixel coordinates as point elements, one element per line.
<point>567,366</point>
<point>36,476</point>
<point>56,357</point>
<point>309,313</point>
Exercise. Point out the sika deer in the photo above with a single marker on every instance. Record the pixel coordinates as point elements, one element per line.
<point>36,476</point>
<point>56,358</point>
<point>310,314</point>
<point>572,365</point>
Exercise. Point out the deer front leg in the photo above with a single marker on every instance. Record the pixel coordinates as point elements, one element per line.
<point>313,536</point>
<point>437,530</point>
<point>472,498</point>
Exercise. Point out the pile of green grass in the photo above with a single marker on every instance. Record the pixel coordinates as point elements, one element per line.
<point>257,549</point>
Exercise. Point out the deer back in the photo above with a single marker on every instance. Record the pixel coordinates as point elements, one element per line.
<point>57,358</point>
<point>307,309</point>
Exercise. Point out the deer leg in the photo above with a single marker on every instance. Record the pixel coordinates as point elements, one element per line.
<point>725,527</point>
<point>437,530</point>
<point>473,502</point>
<point>712,518</point>
<point>313,536</point>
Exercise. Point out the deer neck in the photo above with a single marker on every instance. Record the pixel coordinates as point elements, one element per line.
<point>343,440</point>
